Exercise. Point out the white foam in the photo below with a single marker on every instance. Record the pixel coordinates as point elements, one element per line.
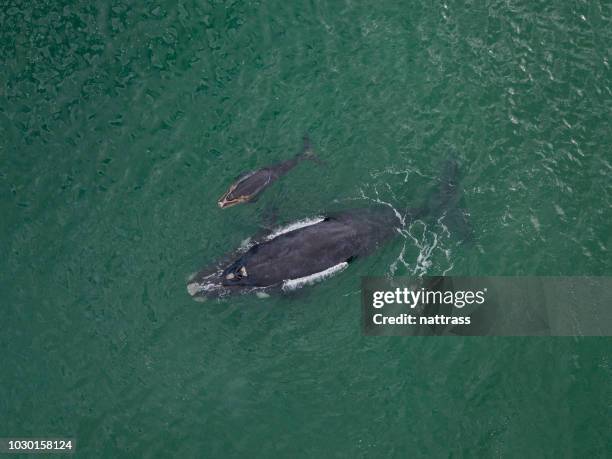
<point>379,201</point>
<point>399,259</point>
<point>292,284</point>
<point>245,245</point>
<point>426,248</point>
<point>193,288</point>
<point>427,243</point>
<point>294,226</point>
<point>405,172</point>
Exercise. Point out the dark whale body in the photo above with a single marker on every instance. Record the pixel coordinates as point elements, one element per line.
<point>279,259</point>
<point>314,249</point>
<point>248,186</point>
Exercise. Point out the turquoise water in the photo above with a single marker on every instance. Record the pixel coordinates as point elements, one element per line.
<point>121,125</point>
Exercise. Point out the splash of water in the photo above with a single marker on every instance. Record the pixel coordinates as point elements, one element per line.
<point>427,239</point>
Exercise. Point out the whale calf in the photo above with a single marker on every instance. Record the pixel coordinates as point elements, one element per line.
<point>249,185</point>
<point>316,248</point>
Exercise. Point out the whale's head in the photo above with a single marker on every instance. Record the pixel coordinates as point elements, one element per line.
<point>205,286</point>
<point>246,187</point>
<point>233,196</point>
<point>219,283</point>
<point>242,190</point>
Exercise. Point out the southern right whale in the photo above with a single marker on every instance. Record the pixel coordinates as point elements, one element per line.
<point>316,248</point>
<point>249,185</point>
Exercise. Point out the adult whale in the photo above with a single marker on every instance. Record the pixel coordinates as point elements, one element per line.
<point>314,249</point>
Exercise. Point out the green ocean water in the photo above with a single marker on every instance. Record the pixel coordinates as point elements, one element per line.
<point>122,123</point>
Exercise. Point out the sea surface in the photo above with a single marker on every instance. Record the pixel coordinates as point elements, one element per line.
<point>121,124</point>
